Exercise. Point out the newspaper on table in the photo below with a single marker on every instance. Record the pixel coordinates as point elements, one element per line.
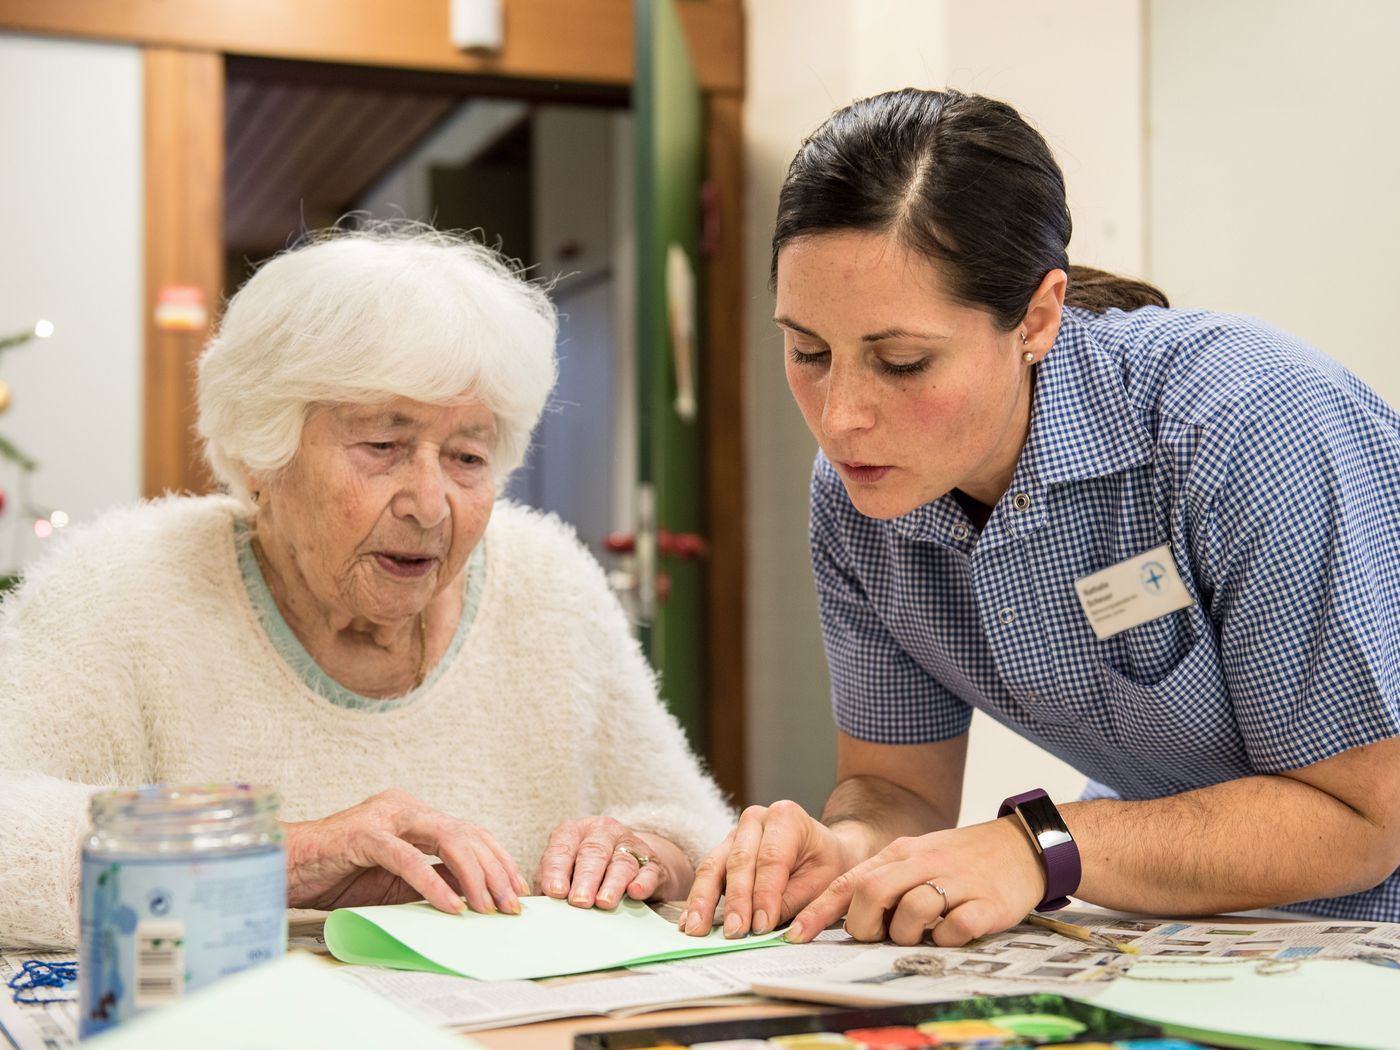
<point>718,980</point>
<point>1032,959</point>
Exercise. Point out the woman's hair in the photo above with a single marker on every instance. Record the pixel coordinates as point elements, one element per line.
<point>360,316</point>
<point>962,180</point>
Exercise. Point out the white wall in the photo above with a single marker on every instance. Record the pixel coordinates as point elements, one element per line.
<point>71,251</point>
<point>1273,168</point>
<point>1073,69</point>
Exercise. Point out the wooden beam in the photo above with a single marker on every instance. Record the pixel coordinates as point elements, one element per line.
<point>582,41</point>
<point>184,109</point>
<point>722,401</point>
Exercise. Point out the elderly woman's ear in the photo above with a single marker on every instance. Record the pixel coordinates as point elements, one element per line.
<point>254,485</point>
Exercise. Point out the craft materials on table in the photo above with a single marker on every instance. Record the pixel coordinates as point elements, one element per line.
<point>979,1024</point>
<point>1084,934</point>
<point>50,1023</point>
<point>548,937</point>
<point>41,981</point>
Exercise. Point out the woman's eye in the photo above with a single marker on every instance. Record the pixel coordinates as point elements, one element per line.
<point>801,358</point>
<point>380,446</point>
<point>906,368</point>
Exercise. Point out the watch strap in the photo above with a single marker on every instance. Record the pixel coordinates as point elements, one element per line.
<point>1059,856</point>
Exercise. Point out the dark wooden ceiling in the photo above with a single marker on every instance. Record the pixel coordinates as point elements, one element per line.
<point>298,154</point>
<point>304,140</point>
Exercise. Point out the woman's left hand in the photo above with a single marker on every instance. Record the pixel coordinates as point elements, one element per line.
<point>594,861</point>
<point>988,875</point>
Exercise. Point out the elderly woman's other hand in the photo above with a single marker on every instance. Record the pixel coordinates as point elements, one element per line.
<point>593,861</point>
<point>378,853</point>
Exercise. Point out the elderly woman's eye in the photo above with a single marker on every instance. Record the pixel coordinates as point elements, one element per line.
<point>381,446</point>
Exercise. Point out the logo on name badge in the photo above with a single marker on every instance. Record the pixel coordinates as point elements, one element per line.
<point>1134,591</point>
<point>1152,575</point>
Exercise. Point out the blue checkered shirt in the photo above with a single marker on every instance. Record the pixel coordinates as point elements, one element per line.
<point>1272,472</point>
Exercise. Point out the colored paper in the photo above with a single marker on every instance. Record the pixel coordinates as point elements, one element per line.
<point>294,1001</point>
<point>548,937</point>
<point>1334,1002</point>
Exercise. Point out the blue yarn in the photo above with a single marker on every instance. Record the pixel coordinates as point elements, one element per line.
<point>37,974</point>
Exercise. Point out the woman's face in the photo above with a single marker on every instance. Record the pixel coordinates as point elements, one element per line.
<point>909,394</point>
<point>382,505</point>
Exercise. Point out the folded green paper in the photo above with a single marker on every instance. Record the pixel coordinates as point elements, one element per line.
<point>549,937</point>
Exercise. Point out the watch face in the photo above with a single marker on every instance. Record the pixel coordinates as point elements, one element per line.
<point>1043,822</point>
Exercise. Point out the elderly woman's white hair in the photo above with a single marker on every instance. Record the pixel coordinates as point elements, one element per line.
<point>360,316</point>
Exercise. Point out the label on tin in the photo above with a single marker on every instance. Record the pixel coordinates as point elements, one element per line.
<point>154,929</point>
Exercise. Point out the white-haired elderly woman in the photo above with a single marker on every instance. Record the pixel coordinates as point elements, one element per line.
<point>418,669</point>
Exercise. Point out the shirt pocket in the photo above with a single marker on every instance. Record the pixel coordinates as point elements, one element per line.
<point>1179,708</point>
<point>1151,652</point>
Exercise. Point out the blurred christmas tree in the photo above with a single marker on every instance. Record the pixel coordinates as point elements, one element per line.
<point>11,453</point>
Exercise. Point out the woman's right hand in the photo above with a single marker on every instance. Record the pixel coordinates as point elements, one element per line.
<point>378,853</point>
<point>778,859</point>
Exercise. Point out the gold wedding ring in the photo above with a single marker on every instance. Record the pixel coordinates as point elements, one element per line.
<point>641,858</point>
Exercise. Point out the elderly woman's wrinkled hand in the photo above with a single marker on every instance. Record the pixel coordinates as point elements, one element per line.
<point>379,852</point>
<point>594,861</point>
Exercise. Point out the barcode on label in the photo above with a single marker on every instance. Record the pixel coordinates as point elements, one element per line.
<point>160,962</point>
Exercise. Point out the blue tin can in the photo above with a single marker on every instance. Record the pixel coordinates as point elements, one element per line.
<point>181,885</point>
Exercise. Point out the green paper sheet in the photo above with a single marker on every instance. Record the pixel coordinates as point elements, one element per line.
<point>295,1001</point>
<point>549,937</point>
<point>1332,1002</point>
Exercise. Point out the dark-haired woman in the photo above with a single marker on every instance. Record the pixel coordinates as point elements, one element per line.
<point>1163,545</point>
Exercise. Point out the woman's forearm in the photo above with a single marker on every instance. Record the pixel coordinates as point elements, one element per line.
<point>867,813</point>
<point>1257,842</point>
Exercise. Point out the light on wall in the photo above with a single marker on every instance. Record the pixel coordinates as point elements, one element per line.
<point>477,25</point>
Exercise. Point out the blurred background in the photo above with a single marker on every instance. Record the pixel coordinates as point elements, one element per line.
<point>1237,153</point>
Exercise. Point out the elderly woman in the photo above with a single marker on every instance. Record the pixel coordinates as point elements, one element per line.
<point>418,669</point>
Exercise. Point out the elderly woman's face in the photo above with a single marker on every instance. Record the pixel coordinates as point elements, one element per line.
<point>383,504</point>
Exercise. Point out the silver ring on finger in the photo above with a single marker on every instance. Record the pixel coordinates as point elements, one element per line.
<point>641,858</point>
<point>940,891</point>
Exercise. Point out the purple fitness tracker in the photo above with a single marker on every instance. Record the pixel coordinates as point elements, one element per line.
<point>1059,856</point>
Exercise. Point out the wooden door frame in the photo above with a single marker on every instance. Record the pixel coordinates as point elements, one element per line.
<point>552,47</point>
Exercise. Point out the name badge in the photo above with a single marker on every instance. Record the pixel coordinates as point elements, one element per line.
<point>1134,591</point>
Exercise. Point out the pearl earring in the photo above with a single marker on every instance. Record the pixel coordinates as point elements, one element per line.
<point>1028,357</point>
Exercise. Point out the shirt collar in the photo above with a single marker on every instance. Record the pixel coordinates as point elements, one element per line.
<point>1082,426</point>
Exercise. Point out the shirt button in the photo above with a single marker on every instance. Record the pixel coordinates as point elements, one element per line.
<point>1021,501</point>
<point>1007,615</point>
<point>961,532</point>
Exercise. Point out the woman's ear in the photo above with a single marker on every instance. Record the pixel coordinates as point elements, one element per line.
<point>1042,321</point>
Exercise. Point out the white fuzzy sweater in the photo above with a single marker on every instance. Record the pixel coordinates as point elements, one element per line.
<point>132,654</point>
